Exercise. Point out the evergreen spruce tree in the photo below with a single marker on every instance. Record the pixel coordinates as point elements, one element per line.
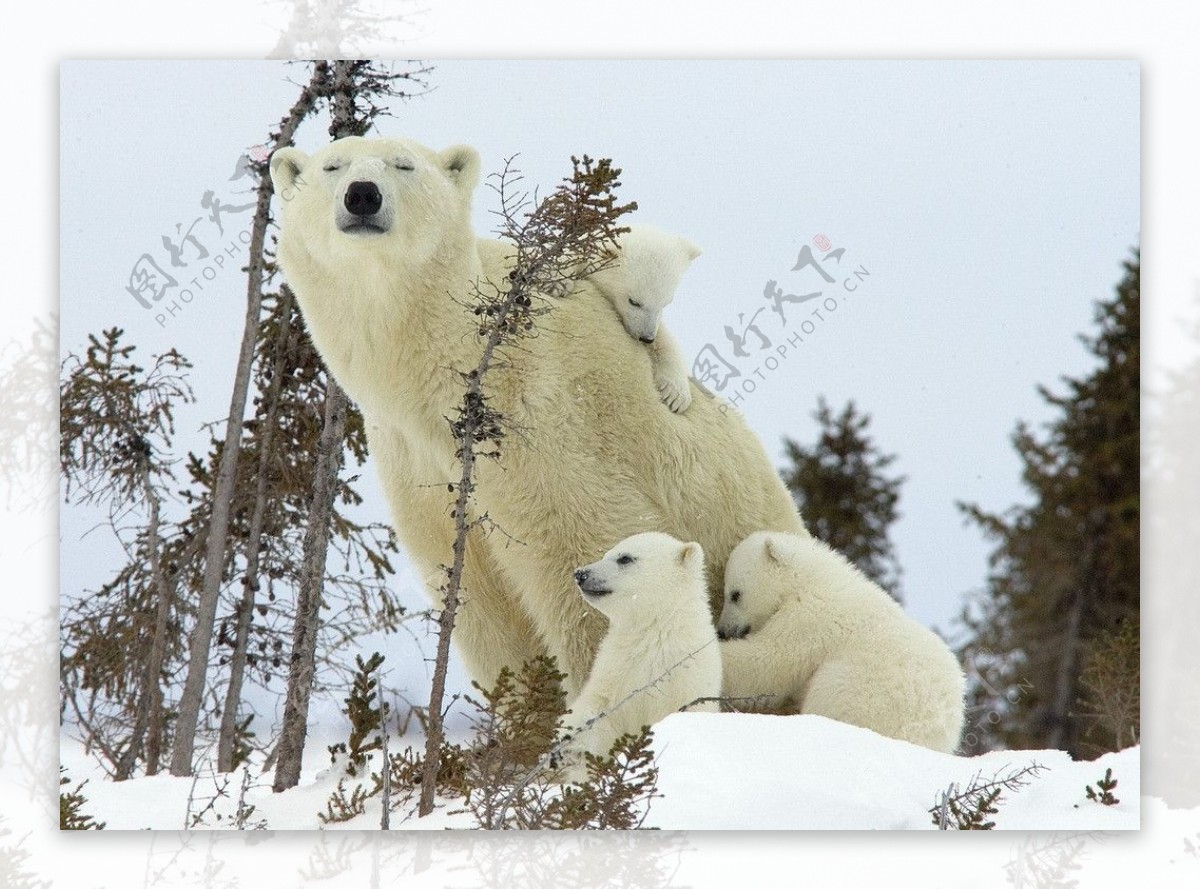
<point>1065,568</point>
<point>844,493</point>
<point>367,714</point>
<point>121,642</point>
<point>71,803</point>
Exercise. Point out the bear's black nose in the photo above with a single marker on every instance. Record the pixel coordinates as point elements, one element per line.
<point>581,575</point>
<point>363,198</point>
<point>646,339</point>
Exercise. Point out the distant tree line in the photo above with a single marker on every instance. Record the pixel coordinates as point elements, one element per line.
<point>1050,642</point>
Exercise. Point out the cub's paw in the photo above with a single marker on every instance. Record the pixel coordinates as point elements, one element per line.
<point>674,390</point>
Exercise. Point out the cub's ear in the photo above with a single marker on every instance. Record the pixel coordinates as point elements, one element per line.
<point>461,163</point>
<point>691,555</point>
<point>286,166</point>
<point>690,250</point>
<point>772,551</point>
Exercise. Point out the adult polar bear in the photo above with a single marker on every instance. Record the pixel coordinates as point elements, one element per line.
<point>377,244</point>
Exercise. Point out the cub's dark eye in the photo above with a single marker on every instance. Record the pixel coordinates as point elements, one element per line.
<point>634,303</point>
<point>329,168</point>
<point>403,165</point>
<point>735,597</point>
<point>625,559</point>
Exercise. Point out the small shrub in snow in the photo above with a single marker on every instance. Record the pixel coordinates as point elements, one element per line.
<point>70,807</point>
<point>367,716</point>
<point>969,809</point>
<point>343,806</point>
<point>1106,786</point>
<point>617,791</point>
<point>509,766</point>
<point>504,773</point>
<point>407,770</point>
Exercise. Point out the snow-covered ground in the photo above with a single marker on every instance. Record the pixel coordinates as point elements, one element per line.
<point>717,771</point>
<point>752,771</point>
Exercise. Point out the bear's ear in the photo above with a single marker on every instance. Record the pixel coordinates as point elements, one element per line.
<point>691,555</point>
<point>772,551</point>
<point>690,250</point>
<point>461,163</point>
<point>286,165</point>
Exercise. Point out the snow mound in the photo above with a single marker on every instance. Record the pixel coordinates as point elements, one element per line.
<point>757,771</point>
<point>716,771</point>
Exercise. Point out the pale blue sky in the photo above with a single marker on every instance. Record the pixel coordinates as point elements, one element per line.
<point>991,202</point>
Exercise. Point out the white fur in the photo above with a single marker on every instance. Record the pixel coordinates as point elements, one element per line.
<point>640,283</point>
<point>819,637</point>
<point>660,652</point>
<point>593,457</point>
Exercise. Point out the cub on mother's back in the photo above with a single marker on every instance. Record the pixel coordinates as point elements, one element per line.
<point>640,282</point>
<point>805,631</point>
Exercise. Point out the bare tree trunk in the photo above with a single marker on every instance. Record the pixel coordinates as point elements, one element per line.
<point>290,751</point>
<point>223,492</point>
<point>156,727</point>
<point>1066,682</point>
<point>149,712</point>
<point>155,713</point>
<point>146,739</point>
<point>385,818</point>
<point>227,739</point>
<point>348,82</point>
<point>434,732</point>
<point>1067,674</point>
<point>308,602</point>
<point>192,697</point>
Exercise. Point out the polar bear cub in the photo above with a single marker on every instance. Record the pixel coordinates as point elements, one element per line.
<point>661,650</point>
<point>640,282</point>
<point>806,630</point>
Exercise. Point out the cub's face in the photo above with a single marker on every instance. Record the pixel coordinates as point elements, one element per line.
<point>642,575</point>
<point>755,584</point>
<point>644,277</point>
<point>389,197</point>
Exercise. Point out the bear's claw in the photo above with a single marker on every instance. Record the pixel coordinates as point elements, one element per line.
<point>675,394</point>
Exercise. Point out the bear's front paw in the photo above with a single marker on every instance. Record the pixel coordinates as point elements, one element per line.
<point>674,390</point>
